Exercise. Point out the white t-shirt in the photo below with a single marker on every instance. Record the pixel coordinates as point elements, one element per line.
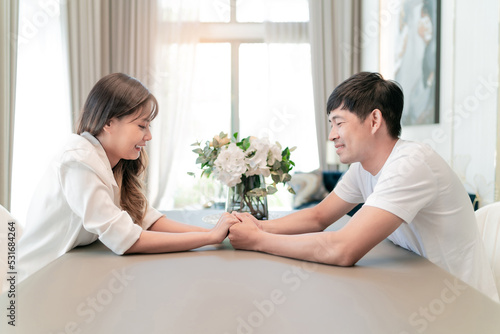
<point>418,186</point>
<point>77,202</point>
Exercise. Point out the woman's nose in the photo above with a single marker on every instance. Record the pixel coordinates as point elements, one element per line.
<point>148,135</point>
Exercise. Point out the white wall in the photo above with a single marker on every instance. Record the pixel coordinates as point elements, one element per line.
<point>467,132</point>
<point>476,92</point>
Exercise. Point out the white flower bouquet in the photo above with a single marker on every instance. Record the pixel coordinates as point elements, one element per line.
<point>235,163</point>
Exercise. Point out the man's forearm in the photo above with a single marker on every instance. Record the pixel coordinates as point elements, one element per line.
<point>303,221</point>
<point>322,247</point>
<point>313,219</point>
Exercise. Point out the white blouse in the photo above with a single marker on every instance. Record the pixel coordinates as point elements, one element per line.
<point>76,203</point>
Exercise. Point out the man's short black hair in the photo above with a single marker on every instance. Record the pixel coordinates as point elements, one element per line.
<point>365,91</point>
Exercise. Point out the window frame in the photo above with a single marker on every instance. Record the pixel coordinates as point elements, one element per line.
<point>236,33</point>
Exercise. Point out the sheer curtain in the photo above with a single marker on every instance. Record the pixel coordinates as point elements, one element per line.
<point>177,39</point>
<point>9,12</point>
<point>106,36</point>
<point>288,45</point>
<point>335,52</point>
<point>42,119</point>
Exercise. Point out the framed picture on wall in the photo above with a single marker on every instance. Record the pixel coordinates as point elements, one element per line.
<point>409,54</point>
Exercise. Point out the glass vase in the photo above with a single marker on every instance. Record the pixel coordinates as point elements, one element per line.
<point>250,196</point>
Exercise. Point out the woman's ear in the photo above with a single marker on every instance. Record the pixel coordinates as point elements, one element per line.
<point>108,127</point>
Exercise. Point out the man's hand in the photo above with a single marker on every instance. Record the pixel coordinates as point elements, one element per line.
<point>247,233</point>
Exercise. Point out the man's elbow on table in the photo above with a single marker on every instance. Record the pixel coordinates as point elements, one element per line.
<point>344,258</point>
<point>348,259</point>
<point>330,250</point>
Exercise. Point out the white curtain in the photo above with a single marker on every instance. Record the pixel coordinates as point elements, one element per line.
<point>290,115</point>
<point>174,73</point>
<point>335,52</point>
<point>106,36</point>
<point>9,16</point>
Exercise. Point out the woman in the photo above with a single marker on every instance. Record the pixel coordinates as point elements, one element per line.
<point>93,189</point>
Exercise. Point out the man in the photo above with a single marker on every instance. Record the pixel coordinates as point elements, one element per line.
<point>410,195</point>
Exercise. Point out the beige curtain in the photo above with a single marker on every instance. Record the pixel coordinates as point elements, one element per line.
<point>335,54</point>
<point>173,86</point>
<point>9,16</point>
<point>107,36</point>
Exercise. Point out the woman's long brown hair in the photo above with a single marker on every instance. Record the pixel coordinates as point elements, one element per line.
<point>115,96</point>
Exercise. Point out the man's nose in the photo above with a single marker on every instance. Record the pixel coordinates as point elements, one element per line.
<point>333,134</point>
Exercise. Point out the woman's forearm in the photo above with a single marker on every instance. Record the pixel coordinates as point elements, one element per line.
<point>166,235</point>
<point>163,224</point>
<point>164,242</point>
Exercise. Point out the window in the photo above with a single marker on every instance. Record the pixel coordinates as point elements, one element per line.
<point>42,120</point>
<point>252,76</point>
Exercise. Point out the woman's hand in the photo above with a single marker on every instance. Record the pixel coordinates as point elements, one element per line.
<point>221,229</point>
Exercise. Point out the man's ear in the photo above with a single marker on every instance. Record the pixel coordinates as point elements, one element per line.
<point>376,120</point>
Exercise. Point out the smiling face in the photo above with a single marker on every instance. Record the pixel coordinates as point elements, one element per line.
<point>350,135</point>
<point>125,138</point>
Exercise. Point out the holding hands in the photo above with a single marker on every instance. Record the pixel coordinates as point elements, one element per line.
<point>243,230</point>
<point>245,234</point>
<point>221,229</point>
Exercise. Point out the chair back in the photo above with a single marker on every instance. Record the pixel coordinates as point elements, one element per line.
<point>488,220</point>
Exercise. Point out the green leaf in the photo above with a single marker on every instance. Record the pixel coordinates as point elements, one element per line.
<point>206,172</point>
<point>245,143</point>
<point>196,144</point>
<point>290,190</point>
<point>257,192</point>
<point>207,151</point>
<point>216,143</point>
<point>285,168</point>
<point>235,136</point>
<point>286,153</point>
<point>198,151</point>
<point>271,190</point>
<point>276,178</point>
<point>286,177</point>
<point>191,174</point>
